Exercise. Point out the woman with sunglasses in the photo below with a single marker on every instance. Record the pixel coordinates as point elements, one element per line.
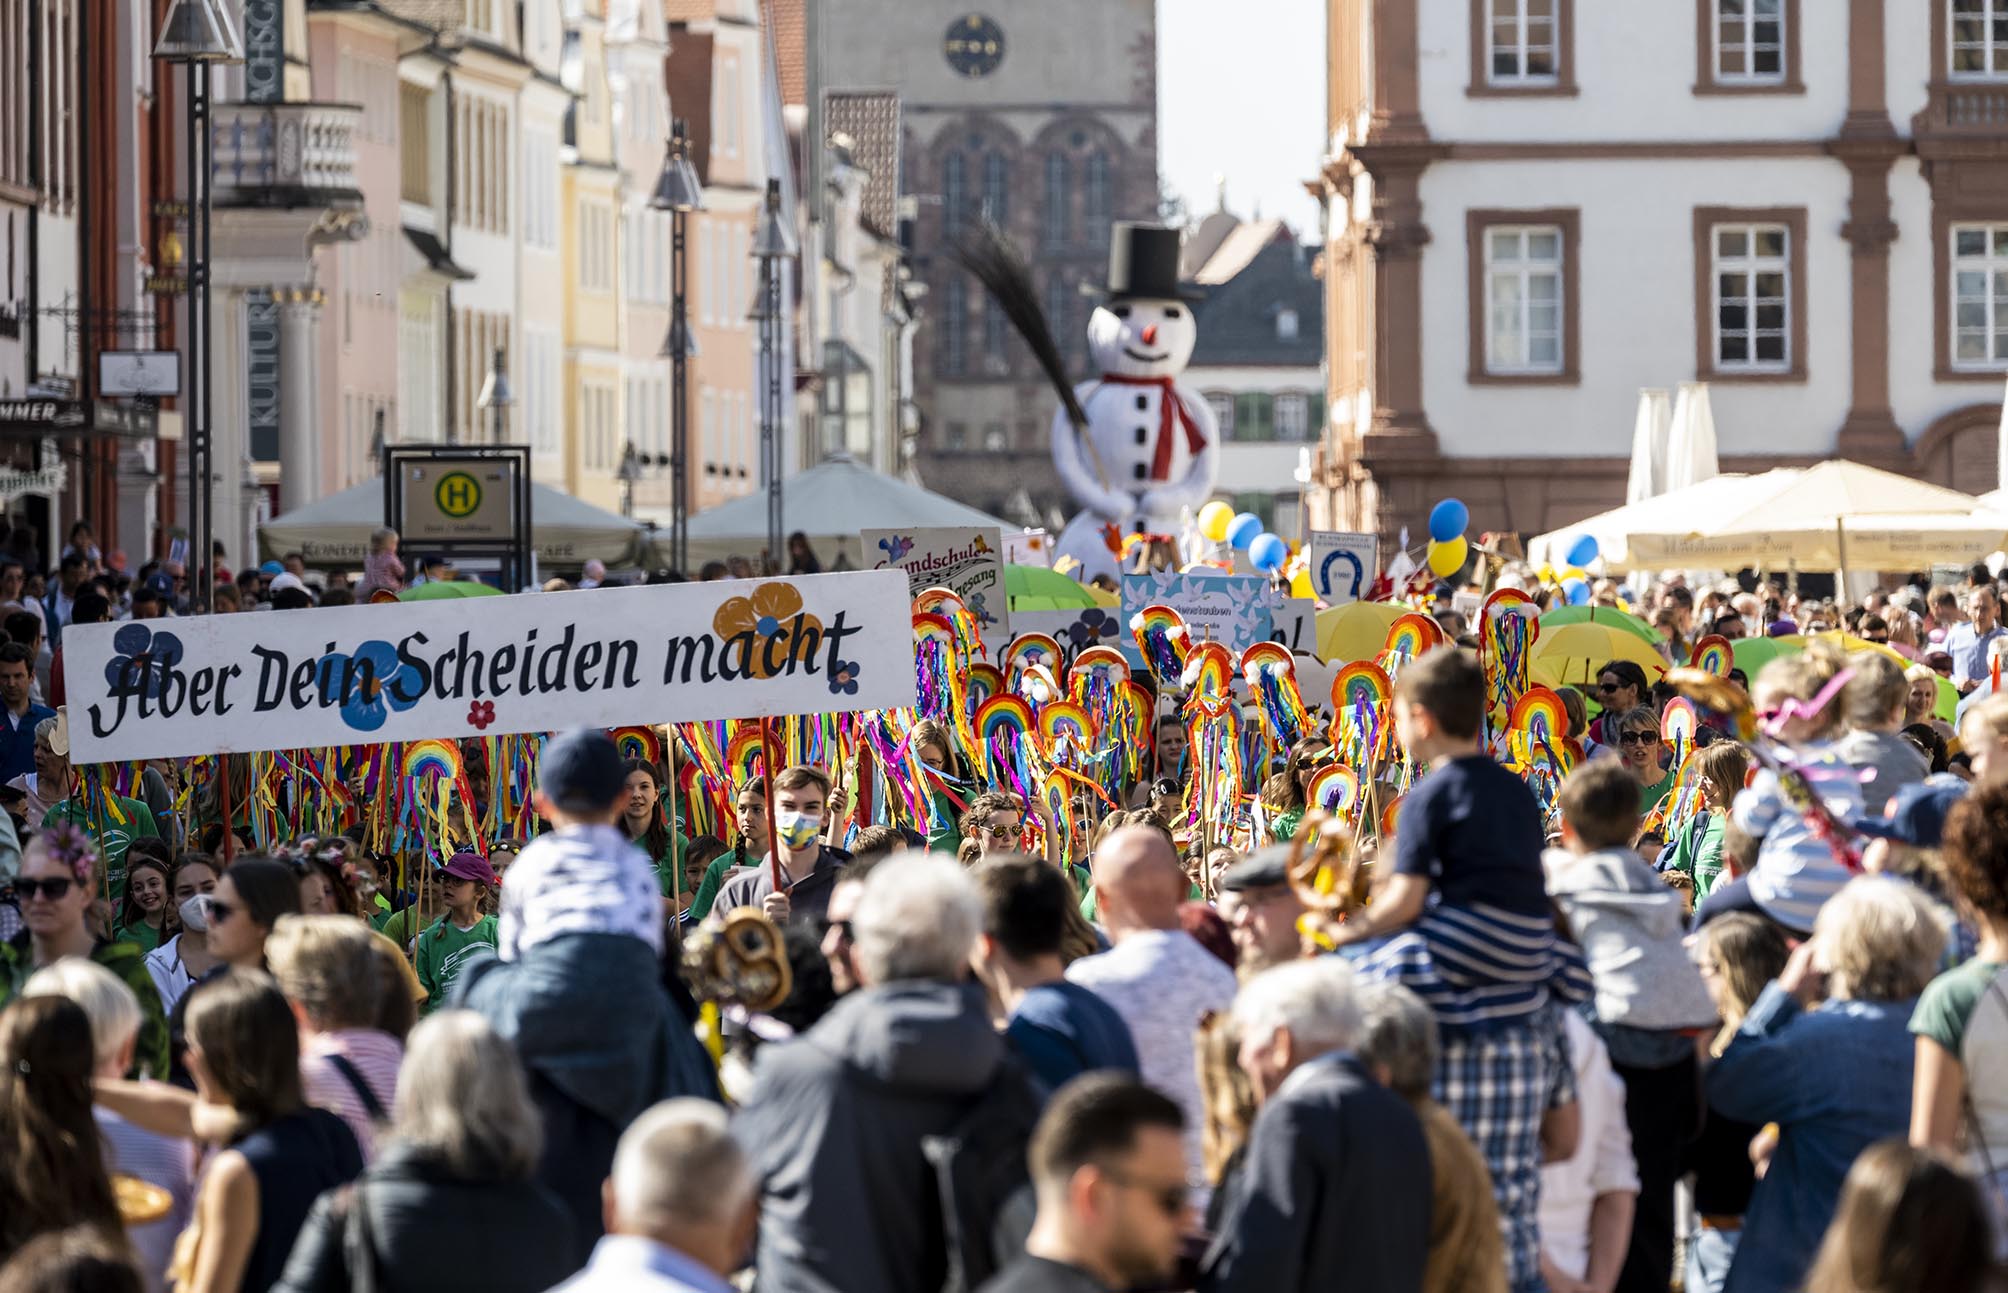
<point>61,874</point>
<point>930,743</point>
<point>1621,686</point>
<point>1638,743</point>
<point>249,899</point>
<point>1284,795</point>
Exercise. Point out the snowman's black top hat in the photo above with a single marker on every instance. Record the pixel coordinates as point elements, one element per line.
<point>1143,262</point>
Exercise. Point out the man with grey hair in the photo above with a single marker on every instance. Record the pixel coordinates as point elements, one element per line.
<point>840,1119</point>
<point>1333,1154</point>
<point>680,1206</point>
<point>1397,1042</point>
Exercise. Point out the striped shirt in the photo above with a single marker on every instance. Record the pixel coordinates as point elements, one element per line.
<point>158,1160</point>
<point>375,1055</point>
<point>1796,871</point>
<point>1481,966</point>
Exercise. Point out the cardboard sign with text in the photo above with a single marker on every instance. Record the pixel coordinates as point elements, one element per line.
<point>1236,611</point>
<point>1343,565</point>
<point>969,560</point>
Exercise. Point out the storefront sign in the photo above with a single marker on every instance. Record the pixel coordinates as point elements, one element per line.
<point>261,367</point>
<point>264,51</point>
<point>533,662</point>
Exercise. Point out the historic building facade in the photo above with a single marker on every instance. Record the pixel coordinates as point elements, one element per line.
<point>1534,208</point>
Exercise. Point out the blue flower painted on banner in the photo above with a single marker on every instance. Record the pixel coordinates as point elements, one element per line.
<point>148,653</point>
<point>767,626</point>
<point>844,677</point>
<point>373,691</point>
<point>1094,625</point>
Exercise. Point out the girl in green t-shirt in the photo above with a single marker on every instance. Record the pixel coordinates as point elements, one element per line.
<point>465,885</point>
<point>145,916</point>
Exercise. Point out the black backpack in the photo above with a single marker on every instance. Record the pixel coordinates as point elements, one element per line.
<point>982,1183</point>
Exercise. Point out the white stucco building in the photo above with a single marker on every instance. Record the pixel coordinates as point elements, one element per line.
<point>1537,207</point>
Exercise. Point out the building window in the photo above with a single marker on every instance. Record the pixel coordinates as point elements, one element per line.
<point>1752,277</point>
<point>1286,324</point>
<point>1061,303</point>
<point>1750,40</point>
<point>1293,417</point>
<point>1222,405</point>
<point>996,188</point>
<point>1522,296</point>
<point>415,143</point>
<point>955,327</point>
<point>1056,199</point>
<point>995,438</point>
<point>1523,299</point>
<point>1522,47</point>
<point>1979,296</point>
<point>954,190</point>
<point>994,332</point>
<point>1254,416</point>
<point>1979,40</point>
<point>1750,293</point>
<point>1096,206</point>
<point>1524,42</point>
<point>955,437</point>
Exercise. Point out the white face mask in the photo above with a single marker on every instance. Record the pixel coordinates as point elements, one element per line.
<point>796,829</point>
<point>195,912</point>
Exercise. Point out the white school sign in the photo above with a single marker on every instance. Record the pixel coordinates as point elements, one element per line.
<point>534,662</point>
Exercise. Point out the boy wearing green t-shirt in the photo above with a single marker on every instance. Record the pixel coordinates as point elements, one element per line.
<point>466,882</point>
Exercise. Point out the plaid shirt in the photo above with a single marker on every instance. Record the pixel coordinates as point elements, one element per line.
<point>1497,1084</point>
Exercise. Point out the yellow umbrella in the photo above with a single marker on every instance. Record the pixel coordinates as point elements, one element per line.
<point>1571,654</point>
<point>1850,643</point>
<point>1357,630</point>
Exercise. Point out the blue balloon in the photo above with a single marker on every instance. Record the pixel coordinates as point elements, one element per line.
<point>1576,591</point>
<point>1241,531</point>
<point>1268,553</point>
<point>1583,551</point>
<point>1448,519</point>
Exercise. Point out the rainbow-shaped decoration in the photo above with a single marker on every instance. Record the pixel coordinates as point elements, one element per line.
<point>1004,728</point>
<point>1060,808</point>
<point>1411,635</point>
<point>1209,670</point>
<point>1389,815</point>
<point>1507,629</point>
<point>985,681</point>
<point>1335,787</point>
<point>1130,728</point>
<point>1213,733</point>
<point>1066,733</point>
<point>1715,654</point>
<point>1362,727</point>
<point>1092,680</point>
<point>1540,714</point>
<point>745,757</point>
<point>1162,638</point>
<point>638,743</point>
<point>941,677</point>
<point>1028,650</point>
<point>1271,675</point>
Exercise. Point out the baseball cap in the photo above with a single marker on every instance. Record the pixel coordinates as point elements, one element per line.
<point>469,865</point>
<point>581,771</point>
<point>1265,869</point>
<point>1917,813</point>
<point>272,568</point>
<point>286,579</point>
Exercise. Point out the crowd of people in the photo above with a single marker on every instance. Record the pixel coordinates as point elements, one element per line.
<point>1582,1047</point>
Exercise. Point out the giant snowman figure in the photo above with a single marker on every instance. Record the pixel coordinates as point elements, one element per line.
<point>1150,448</point>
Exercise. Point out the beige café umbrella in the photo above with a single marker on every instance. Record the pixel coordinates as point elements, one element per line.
<point>1837,515</point>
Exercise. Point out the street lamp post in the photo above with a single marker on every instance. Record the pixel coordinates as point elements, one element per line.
<point>773,246</point>
<point>496,396</point>
<point>678,191</point>
<point>197,33</point>
<point>630,468</point>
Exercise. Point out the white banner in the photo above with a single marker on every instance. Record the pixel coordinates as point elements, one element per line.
<point>1343,565</point>
<point>969,560</point>
<point>534,662</point>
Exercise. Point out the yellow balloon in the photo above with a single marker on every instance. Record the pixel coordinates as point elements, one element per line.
<point>1546,574</point>
<point>1446,559</point>
<point>1300,584</point>
<point>1214,519</point>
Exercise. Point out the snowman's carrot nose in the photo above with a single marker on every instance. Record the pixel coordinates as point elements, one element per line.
<point>1150,334</point>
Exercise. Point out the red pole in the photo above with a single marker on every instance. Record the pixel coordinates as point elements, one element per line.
<point>767,780</point>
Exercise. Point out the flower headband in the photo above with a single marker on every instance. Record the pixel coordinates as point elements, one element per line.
<point>73,848</point>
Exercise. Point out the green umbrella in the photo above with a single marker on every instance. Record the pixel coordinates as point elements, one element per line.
<point>1036,588</point>
<point>448,590</point>
<point>1752,654</point>
<point>1606,615</point>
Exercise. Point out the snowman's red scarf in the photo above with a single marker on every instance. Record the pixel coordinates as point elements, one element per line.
<point>1169,406</point>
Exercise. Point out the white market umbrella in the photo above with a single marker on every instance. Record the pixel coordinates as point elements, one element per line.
<point>334,532</point>
<point>830,503</point>
<point>1835,516</point>
<point>1649,440</point>
<point>1690,451</point>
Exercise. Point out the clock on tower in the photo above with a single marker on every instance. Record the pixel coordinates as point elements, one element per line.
<point>974,45</point>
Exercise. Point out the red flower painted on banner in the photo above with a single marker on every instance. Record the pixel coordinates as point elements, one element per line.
<point>480,714</point>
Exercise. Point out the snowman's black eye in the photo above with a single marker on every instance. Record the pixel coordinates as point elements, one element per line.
<point>1171,312</point>
<point>1120,311</point>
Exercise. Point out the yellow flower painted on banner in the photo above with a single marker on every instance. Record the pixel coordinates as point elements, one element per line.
<point>772,614</point>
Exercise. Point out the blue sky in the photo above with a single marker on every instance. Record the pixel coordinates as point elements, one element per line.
<point>1241,95</point>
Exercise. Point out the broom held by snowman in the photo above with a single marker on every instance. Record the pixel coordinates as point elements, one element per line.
<point>1134,446</point>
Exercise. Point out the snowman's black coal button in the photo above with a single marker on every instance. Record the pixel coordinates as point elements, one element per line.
<point>1143,402</point>
<point>1142,435</point>
<point>1139,471</point>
